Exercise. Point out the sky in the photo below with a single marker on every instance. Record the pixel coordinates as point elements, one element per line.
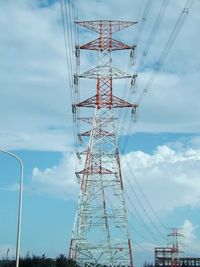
<point>162,155</point>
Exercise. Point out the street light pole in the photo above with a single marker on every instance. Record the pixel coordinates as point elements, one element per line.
<point>20,203</point>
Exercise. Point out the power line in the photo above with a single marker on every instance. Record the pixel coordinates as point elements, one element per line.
<point>133,228</point>
<point>140,218</point>
<point>143,20</point>
<point>148,45</point>
<point>162,58</point>
<point>143,194</point>
<point>136,216</point>
<point>154,30</point>
<point>69,41</point>
<point>142,23</point>
<point>173,36</point>
<point>142,207</point>
<point>63,18</point>
<point>145,52</point>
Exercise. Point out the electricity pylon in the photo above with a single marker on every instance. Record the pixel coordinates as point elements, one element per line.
<point>100,234</point>
<point>173,239</point>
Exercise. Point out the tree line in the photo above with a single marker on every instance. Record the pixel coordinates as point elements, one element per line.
<point>39,261</point>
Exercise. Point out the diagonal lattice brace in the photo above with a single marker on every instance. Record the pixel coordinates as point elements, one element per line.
<point>106,71</point>
<point>95,25</point>
<point>116,103</point>
<point>101,133</point>
<point>102,120</point>
<point>107,44</point>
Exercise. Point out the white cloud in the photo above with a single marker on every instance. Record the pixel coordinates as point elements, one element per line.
<point>47,140</point>
<point>33,101</point>
<point>190,242</point>
<point>168,173</point>
<point>188,232</point>
<point>11,188</point>
<point>166,170</point>
<point>33,95</point>
<point>58,181</point>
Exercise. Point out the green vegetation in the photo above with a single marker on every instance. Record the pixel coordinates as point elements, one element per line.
<point>39,261</point>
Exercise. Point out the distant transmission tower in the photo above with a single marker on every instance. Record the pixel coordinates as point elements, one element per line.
<point>100,234</point>
<point>173,238</point>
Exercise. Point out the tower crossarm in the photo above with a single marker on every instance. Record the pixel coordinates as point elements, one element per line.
<point>116,45</point>
<point>102,120</point>
<point>100,133</point>
<point>96,170</point>
<point>115,103</point>
<point>97,25</point>
<point>105,72</point>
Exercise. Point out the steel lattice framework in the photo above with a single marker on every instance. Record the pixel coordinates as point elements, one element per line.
<point>100,234</point>
<point>175,250</point>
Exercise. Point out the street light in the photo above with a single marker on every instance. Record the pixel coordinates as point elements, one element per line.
<point>20,203</point>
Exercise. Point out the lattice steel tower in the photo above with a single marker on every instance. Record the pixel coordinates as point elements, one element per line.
<point>100,234</point>
<point>173,239</point>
